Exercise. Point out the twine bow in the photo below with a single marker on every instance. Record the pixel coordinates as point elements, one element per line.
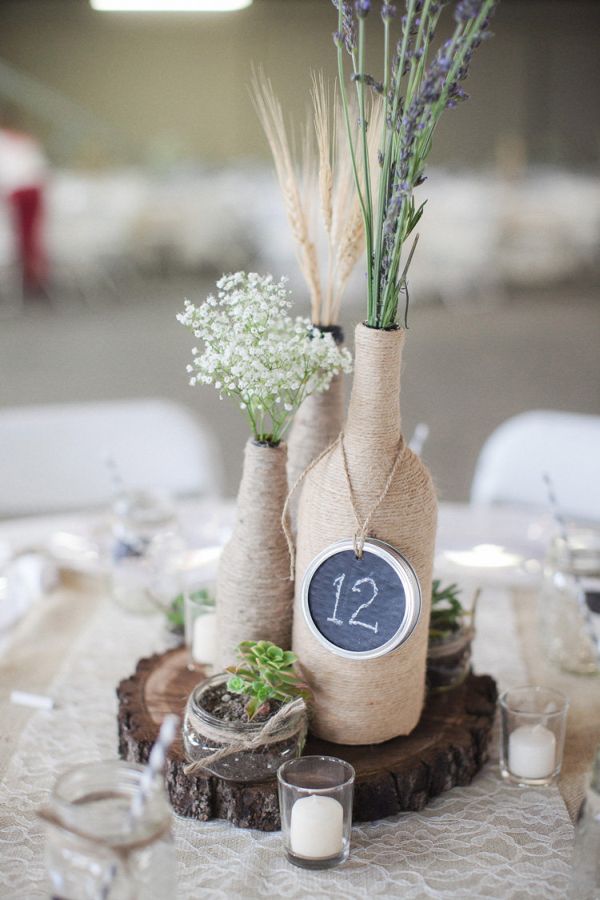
<point>362,527</point>
<point>273,730</point>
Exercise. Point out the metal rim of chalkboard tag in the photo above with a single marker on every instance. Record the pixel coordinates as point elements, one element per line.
<point>408,579</point>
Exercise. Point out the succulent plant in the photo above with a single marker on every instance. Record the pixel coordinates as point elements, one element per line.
<point>447,612</point>
<point>265,673</point>
<point>175,613</point>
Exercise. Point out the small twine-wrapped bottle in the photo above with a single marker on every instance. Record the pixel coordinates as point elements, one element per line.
<point>316,425</point>
<point>368,701</point>
<point>254,593</point>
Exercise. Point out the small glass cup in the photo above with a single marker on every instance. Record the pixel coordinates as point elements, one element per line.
<point>569,601</point>
<point>200,619</point>
<point>532,735</point>
<point>94,849</point>
<point>315,802</point>
<point>145,536</point>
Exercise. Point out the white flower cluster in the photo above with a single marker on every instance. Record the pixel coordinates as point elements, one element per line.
<point>254,351</point>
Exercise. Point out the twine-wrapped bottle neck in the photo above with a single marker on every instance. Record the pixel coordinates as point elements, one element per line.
<point>374,413</point>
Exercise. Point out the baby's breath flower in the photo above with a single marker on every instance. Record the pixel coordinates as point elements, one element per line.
<point>254,352</point>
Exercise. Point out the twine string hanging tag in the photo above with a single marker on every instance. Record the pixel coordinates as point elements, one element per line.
<point>285,523</point>
<point>362,529</point>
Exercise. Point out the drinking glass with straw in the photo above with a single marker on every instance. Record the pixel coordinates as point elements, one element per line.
<point>575,567</point>
<point>109,829</point>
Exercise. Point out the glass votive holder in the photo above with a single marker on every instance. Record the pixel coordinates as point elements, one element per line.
<point>144,525</point>
<point>315,803</point>
<point>533,723</point>
<point>200,623</point>
<point>93,847</point>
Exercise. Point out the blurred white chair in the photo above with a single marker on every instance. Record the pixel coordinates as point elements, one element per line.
<point>565,445</point>
<point>53,457</point>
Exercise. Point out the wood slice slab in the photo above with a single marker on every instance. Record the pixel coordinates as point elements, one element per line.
<point>448,747</point>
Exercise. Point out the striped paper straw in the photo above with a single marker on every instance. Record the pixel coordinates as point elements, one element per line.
<point>156,764</point>
<point>152,770</point>
<point>562,530</point>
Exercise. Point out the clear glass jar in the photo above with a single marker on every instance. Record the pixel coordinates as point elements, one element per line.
<point>572,576</point>
<point>449,660</point>
<point>200,616</point>
<point>94,850</point>
<point>315,803</point>
<point>145,549</point>
<point>585,872</point>
<point>204,734</point>
<point>533,724</point>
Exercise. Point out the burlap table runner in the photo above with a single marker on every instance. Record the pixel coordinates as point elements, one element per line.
<point>583,724</point>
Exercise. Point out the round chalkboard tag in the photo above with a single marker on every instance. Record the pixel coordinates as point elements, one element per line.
<point>361,608</point>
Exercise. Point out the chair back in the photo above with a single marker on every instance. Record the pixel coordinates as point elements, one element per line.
<point>53,457</point>
<point>515,456</point>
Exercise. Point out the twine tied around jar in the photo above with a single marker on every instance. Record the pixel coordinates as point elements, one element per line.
<point>278,728</point>
<point>362,525</point>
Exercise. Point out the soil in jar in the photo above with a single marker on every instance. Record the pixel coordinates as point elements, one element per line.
<point>229,707</point>
<point>261,762</point>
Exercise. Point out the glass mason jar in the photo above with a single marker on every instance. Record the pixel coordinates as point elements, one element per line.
<point>204,734</point>
<point>145,547</point>
<point>449,660</point>
<point>572,578</point>
<point>94,849</point>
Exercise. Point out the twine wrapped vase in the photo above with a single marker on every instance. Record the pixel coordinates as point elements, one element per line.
<point>254,593</point>
<point>316,424</point>
<point>368,701</point>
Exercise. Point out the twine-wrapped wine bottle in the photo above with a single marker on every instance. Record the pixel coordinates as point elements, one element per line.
<point>368,701</point>
<point>316,424</point>
<point>254,593</point>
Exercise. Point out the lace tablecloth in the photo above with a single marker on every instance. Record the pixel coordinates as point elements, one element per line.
<point>487,840</point>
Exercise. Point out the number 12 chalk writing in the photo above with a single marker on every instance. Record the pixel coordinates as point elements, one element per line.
<point>356,588</point>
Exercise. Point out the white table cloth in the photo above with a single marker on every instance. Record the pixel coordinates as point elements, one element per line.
<point>489,840</point>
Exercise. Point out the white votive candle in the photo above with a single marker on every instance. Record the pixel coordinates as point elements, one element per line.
<point>204,640</point>
<point>531,752</point>
<point>317,827</point>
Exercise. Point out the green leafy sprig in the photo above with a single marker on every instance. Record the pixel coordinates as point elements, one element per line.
<point>266,672</point>
<point>176,612</point>
<point>447,612</point>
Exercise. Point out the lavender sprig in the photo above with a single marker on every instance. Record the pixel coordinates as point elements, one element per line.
<point>415,92</point>
<point>346,33</point>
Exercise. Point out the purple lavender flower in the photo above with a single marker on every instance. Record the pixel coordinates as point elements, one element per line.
<point>388,11</point>
<point>376,86</point>
<point>348,33</point>
<point>363,8</point>
<point>467,10</point>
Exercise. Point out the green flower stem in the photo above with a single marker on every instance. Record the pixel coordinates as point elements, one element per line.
<point>344,98</point>
<point>390,142</point>
<point>423,148</point>
<point>366,163</point>
<point>382,179</point>
<point>418,62</point>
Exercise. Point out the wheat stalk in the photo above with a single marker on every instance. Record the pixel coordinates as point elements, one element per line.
<point>326,184</point>
<point>325,141</point>
<point>271,117</point>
